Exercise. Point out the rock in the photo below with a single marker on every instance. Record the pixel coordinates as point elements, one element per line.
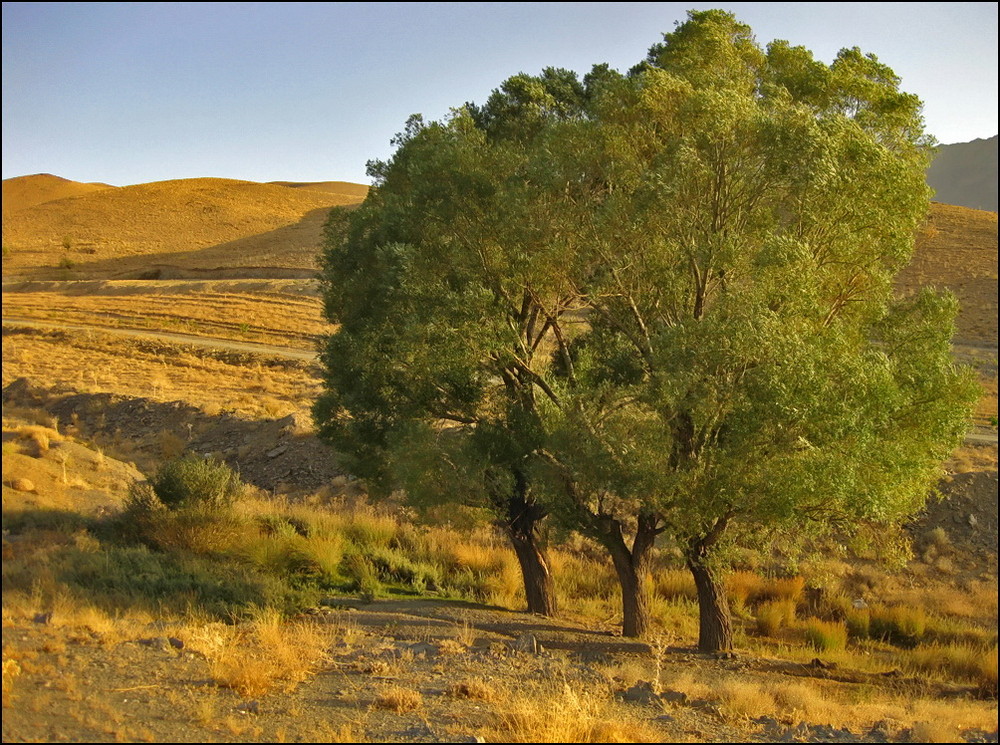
<point>674,697</point>
<point>157,642</point>
<point>424,649</point>
<point>175,642</point>
<point>249,707</point>
<point>641,693</point>
<point>527,642</point>
<point>277,451</point>
<point>26,485</point>
<point>43,618</point>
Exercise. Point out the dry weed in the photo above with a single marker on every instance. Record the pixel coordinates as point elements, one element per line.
<point>565,714</point>
<point>474,688</point>
<point>399,700</point>
<point>268,652</point>
<point>743,699</point>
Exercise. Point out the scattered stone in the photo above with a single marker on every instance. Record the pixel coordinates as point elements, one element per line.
<point>859,603</point>
<point>527,642</point>
<point>820,665</point>
<point>641,693</point>
<point>157,642</point>
<point>175,642</point>
<point>424,649</point>
<point>249,707</point>
<point>277,451</point>
<point>43,618</point>
<point>26,485</point>
<point>674,697</point>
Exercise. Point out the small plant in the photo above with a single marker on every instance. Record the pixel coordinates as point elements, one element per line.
<point>399,700</point>
<point>773,615</point>
<point>66,263</point>
<point>826,636</point>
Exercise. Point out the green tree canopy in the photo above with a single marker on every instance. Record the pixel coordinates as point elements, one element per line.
<point>652,303</point>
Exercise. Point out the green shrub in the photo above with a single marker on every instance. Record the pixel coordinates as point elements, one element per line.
<point>192,481</point>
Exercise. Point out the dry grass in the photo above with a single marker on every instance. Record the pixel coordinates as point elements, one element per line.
<point>774,615</point>
<point>825,636</point>
<point>473,688</point>
<point>267,653</point>
<point>563,713</point>
<point>285,313</point>
<point>399,700</point>
<point>112,365</point>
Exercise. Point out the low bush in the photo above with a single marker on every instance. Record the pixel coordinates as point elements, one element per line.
<point>193,481</point>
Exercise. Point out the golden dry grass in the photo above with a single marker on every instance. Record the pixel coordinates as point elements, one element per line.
<point>559,712</point>
<point>280,312</point>
<point>95,363</point>
<point>398,699</point>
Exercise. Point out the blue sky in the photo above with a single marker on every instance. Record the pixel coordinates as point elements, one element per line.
<point>133,92</point>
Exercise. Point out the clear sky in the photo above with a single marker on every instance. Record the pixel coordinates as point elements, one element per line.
<point>128,93</point>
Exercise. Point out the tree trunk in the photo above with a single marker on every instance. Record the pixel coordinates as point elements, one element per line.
<point>521,527</point>
<point>715,631</point>
<point>632,566</point>
<point>538,584</point>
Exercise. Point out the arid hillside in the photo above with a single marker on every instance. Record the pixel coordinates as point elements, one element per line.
<point>188,224</point>
<point>957,250</point>
<point>27,191</point>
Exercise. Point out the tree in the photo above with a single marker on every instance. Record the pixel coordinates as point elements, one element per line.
<point>653,303</point>
<point>746,367</point>
<point>431,381</point>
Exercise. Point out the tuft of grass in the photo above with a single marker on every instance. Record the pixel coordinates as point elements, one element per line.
<point>399,700</point>
<point>774,615</point>
<point>267,652</point>
<point>673,584</point>
<point>825,636</point>
<point>564,715</point>
<point>901,625</point>
<point>742,700</point>
<point>473,688</point>
<point>976,664</point>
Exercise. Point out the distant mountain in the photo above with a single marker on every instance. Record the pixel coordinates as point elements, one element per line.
<point>965,174</point>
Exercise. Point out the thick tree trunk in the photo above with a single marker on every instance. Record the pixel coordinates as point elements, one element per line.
<point>521,527</point>
<point>715,630</point>
<point>632,566</point>
<point>538,584</point>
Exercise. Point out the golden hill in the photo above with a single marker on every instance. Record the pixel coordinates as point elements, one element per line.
<point>957,250</point>
<point>27,191</point>
<point>334,187</point>
<point>203,223</point>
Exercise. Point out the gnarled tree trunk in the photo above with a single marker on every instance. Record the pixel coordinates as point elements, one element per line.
<point>715,630</point>
<point>521,526</point>
<point>632,566</point>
